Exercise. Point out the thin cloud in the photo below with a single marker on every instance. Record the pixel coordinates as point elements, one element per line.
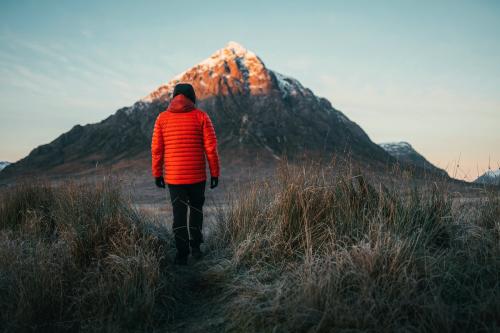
<point>87,33</point>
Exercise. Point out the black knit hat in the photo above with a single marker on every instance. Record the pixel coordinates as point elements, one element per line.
<point>186,89</point>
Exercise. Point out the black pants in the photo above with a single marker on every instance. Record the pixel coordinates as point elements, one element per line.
<point>182,197</point>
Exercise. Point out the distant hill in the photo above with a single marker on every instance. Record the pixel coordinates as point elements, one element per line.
<point>404,152</point>
<point>491,177</point>
<point>3,164</point>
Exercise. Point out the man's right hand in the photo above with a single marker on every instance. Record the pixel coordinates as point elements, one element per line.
<point>160,182</point>
<point>214,181</point>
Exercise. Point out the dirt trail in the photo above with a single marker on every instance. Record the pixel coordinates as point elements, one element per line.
<point>202,309</point>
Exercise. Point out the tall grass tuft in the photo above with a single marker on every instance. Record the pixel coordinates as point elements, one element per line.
<point>318,251</point>
<point>79,257</point>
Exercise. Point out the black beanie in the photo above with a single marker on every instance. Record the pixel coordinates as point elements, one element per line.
<point>185,89</point>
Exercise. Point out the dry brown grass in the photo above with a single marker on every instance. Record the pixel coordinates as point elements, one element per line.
<point>78,257</point>
<point>318,251</point>
<point>312,249</point>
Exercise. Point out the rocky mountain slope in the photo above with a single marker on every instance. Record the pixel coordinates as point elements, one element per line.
<point>404,152</point>
<point>256,112</point>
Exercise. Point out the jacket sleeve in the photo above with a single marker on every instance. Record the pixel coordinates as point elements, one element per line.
<point>210,146</point>
<point>157,150</point>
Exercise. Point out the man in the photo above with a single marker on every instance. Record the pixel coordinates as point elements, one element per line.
<point>183,135</point>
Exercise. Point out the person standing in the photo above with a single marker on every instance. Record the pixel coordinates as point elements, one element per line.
<point>183,139</point>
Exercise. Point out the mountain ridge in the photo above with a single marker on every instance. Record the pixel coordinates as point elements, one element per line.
<point>404,152</point>
<point>255,110</point>
<point>490,177</point>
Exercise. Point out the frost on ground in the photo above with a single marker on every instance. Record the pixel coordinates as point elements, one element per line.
<point>308,249</point>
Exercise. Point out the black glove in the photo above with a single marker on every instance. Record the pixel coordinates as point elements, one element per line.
<point>214,181</point>
<point>160,182</point>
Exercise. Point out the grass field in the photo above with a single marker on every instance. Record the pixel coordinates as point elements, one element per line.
<point>308,250</point>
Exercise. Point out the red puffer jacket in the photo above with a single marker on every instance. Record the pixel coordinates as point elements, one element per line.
<point>182,136</point>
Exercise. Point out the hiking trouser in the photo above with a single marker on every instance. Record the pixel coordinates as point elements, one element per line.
<point>190,196</point>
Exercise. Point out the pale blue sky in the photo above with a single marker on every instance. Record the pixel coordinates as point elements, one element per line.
<point>427,72</point>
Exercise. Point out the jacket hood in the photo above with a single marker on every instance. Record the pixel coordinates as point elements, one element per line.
<point>180,103</point>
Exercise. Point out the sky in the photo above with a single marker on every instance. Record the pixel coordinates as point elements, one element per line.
<point>425,72</point>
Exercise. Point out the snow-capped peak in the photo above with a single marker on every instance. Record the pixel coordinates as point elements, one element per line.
<point>397,148</point>
<point>237,48</point>
<point>492,173</point>
<point>231,69</point>
<point>489,177</point>
<point>230,51</point>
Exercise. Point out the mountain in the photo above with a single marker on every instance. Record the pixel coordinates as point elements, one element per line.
<point>256,112</point>
<point>404,152</point>
<point>3,164</point>
<point>491,177</point>
<point>255,107</point>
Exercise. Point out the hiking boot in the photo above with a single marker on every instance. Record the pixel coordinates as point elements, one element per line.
<point>180,260</point>
<point>196,253</point>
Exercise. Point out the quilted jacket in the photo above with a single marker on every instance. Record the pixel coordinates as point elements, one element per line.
<point>183,136</point>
